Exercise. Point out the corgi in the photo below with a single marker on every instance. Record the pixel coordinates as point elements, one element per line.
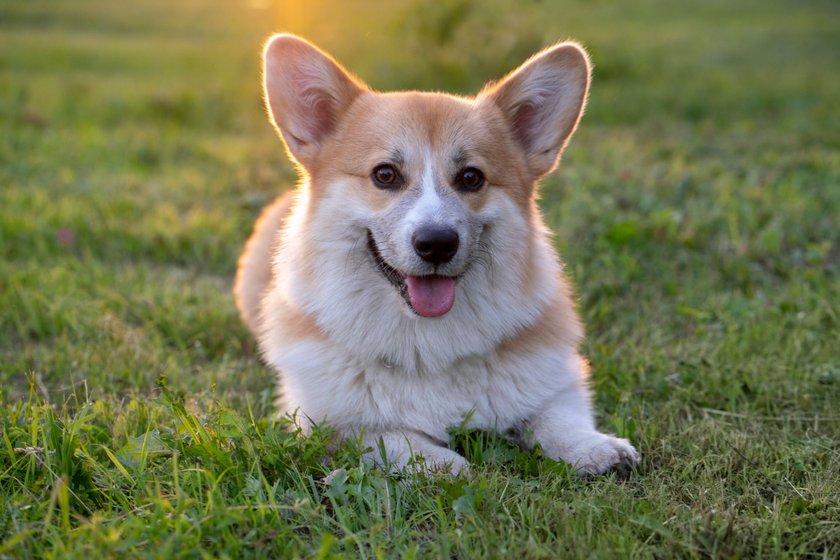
<point>409,284</point>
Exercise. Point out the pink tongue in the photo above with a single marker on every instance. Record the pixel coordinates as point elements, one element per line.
<point>431,296</point>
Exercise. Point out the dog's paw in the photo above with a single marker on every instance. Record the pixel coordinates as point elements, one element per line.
<point>441,460</point>
<point>598,453</point>
<point>409,452</point>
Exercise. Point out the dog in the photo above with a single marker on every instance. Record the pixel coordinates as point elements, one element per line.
<point>409,284</point>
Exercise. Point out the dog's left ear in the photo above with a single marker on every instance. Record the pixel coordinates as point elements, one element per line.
<point>543,101</point>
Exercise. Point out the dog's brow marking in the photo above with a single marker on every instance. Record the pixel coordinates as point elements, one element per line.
<point>397,157</point>
<point>460,158</point>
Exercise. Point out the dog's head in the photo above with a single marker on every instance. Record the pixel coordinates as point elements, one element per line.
<point>425,180</point>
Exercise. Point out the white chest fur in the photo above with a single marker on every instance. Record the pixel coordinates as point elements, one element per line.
<point>322,382</point>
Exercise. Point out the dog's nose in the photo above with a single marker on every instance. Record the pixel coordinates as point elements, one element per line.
<point>436,245</point>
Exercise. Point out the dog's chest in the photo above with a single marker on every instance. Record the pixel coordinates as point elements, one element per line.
<point>488,392</point>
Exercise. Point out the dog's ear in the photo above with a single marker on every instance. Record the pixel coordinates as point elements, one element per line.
<point>543,101</point>
<point>306,92</point>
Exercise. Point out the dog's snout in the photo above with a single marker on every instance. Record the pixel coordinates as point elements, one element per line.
<point>436,245</point>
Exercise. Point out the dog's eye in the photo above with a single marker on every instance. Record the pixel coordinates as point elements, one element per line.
<point>470,179</point>
<point>386,176</point>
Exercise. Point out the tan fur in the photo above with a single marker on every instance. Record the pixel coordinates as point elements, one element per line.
<point>293,324</point>
<point>536,79</point>
<point>558,324</point>
<point>373,117</point>
<point>315,85</point>
<point>253,273</point>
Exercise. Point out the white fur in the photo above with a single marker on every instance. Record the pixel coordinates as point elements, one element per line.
<point>387,374</point>
<point>427,207</point>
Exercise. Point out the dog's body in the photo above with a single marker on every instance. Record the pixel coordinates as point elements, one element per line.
<point>414,286</point>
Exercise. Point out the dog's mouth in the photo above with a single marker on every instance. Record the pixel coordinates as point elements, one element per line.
<point>431,295</point>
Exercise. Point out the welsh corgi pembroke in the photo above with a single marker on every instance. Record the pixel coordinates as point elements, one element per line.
<point>409,284</point>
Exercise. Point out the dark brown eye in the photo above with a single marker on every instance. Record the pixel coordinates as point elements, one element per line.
<point>470,179</point>
<point>385,176</point>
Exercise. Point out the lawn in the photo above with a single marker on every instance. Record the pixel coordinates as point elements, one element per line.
<point>697,210</point>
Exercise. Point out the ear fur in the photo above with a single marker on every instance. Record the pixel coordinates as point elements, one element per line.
<point>306,92</point>
<point>543,101</point>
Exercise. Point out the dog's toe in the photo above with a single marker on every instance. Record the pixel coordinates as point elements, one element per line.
<point>623,469</point>
<point>603,453</point>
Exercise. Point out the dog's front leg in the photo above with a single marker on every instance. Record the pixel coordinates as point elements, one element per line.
<point>405,450</point>
<point>566,431</point>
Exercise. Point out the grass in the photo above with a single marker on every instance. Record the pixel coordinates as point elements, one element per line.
<point>697,211</point>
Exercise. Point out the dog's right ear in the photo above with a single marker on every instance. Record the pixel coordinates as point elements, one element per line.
<point>306,92</point>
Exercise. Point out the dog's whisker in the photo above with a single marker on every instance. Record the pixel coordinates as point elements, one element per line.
<point>350,252</point>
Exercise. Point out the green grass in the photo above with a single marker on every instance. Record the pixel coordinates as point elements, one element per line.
<point>697,210</point>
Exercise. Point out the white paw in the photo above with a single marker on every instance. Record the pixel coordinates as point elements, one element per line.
<point>441,460</point>
<point>396,451</point>
<point>597,453</point>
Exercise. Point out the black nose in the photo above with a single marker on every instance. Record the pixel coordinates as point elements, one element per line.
<point>436,245</point>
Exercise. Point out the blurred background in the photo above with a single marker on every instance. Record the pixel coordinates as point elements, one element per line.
<point>700,192</point>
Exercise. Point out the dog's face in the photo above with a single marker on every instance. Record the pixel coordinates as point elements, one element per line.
<point>425,176</point>
<point>424,168</point>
